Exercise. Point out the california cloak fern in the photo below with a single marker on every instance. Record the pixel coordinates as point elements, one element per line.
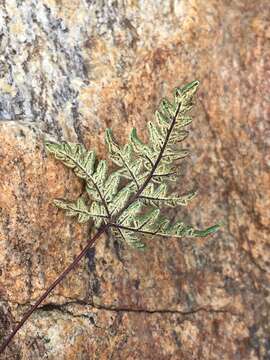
<point>128,201</point>
<point>133,210</point>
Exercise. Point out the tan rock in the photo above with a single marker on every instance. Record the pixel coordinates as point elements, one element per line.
<point>82,66</point>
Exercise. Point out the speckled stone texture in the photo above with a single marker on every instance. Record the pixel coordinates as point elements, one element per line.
<point>68,70</point>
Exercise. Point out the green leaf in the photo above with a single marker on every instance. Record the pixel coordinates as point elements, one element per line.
<point>113,146</point>
<point>208,231</point>
<point>168,109</point>
<point>156,137</point>
<point>138,145</point>
<point>162,120</point>
<point>180,229</point>
<point>130,237</point>
<point>125,158</point>
<point>171,155</point>
<point>165,172</point>
<point>120,200</point>
<point>98,213</point>
<point>74,156</point>
<point>95,183</point>
<point>178,136</point>
<point>158,196</point>
<point>82,162</point>
<point>79,209</point>
<point>111,186</point>
<point>184,95</point>
<point>152,223</point>
<point>129,215</point>
<point>147,222</point>
<point>133,240</point>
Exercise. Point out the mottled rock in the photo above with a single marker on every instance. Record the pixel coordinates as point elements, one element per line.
<point>68,70</point>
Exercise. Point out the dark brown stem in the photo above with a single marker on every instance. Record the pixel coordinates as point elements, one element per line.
<point>52,286</point>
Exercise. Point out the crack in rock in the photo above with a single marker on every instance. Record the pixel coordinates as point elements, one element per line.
<point>61,307</point>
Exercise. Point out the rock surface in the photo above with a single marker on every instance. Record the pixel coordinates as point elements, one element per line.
<point>68,70</point>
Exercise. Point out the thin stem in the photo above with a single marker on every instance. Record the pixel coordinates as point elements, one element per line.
<point>52,286</point>
<point>148,159</point>
<point>119,227</point>
<point>167,174</point>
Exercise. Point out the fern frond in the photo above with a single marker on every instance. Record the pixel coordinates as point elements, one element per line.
<point>131,206</point>
<point>74,156</point>
<point>159,195</point>
<point>152,223</point>
<point>82,162</point>
<point>80,209</point>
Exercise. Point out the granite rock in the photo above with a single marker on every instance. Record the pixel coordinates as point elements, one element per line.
<point>68,70</point>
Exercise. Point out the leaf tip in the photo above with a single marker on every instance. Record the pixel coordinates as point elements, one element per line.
<point>50,146</point>
<point>208,231</point>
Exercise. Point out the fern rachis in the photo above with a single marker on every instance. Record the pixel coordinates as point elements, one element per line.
<point>133,210</point>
